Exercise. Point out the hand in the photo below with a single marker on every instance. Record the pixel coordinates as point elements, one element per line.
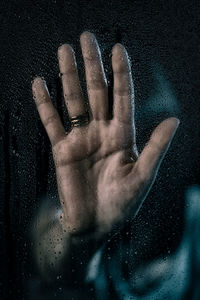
<point>101,179</point>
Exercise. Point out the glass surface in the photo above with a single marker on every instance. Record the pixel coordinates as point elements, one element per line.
<point>162,43</point>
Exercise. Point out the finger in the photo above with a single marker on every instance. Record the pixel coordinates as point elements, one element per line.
<point>70,82</point>
<point>152,155</point>
<point>123,92</point>
<point>95,76</point>
<point>47,112</point>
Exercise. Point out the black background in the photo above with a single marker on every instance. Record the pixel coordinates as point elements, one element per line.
<point>31,32</point>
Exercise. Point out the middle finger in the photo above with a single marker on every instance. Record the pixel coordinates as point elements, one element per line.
<point>95,76</point>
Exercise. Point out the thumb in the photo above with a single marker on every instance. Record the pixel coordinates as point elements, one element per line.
<point>152,155</point>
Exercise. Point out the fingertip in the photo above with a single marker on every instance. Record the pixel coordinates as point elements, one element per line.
<point>117,47</point>
<point>39,88</point>
<point>119,50</point>
<point>177,121</point>
<point>37,82</point>
<point>65,48</point>
<point>173,122</point>
<point>120,59</point>
<point>86,37</point>
<point>65,54</point>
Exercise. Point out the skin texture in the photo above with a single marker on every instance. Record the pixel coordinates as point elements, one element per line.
<point>101,178</point>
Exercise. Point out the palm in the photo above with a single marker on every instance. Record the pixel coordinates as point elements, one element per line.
<point>99,176</point>
<point>97,158</point>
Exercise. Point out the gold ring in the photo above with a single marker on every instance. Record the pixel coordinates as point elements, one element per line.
<point>80,120</point>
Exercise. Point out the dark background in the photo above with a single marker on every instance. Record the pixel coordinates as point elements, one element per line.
<point>30,33</point>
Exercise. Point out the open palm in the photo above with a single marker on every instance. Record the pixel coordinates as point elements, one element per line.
<point>101,178</point>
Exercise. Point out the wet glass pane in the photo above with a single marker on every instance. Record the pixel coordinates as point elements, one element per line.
<point>86,209</point>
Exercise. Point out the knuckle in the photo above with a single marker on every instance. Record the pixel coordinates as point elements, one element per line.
<point>50,119</point>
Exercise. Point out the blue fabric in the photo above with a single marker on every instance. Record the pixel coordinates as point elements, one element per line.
<point>177,277</point>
